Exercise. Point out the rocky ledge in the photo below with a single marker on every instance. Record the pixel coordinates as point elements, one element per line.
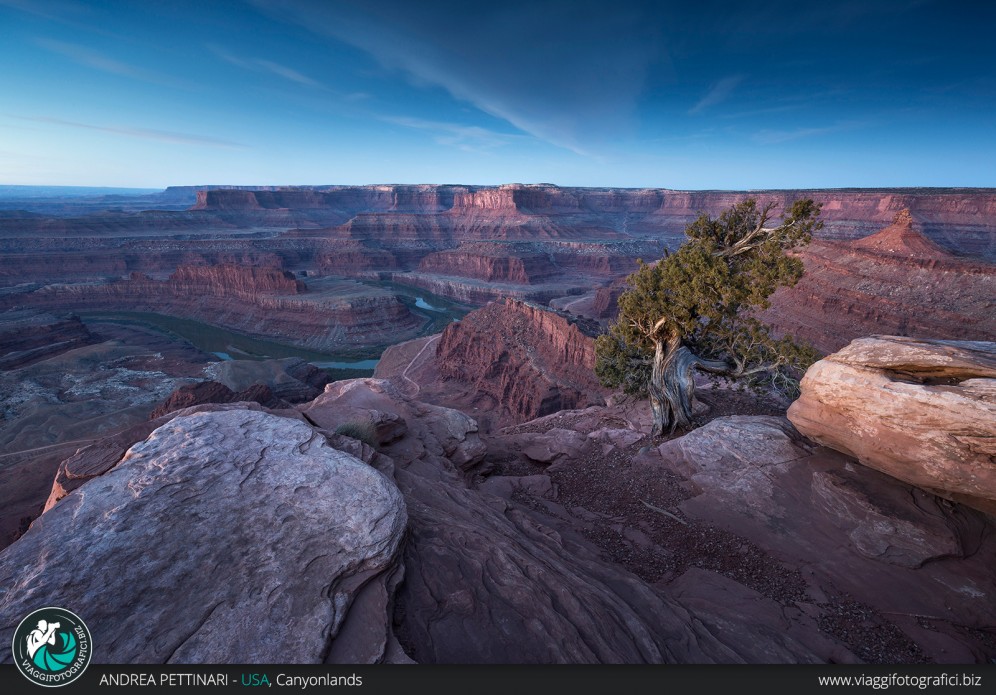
<point>922,411</point>
<point>224,537</point>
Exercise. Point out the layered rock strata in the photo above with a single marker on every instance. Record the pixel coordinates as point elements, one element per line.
<point>262,302</point>
<point>896,281</point>
<point>521,359</point>
<point>922,411</point>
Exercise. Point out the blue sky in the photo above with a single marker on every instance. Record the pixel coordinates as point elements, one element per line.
<point>681,95</point>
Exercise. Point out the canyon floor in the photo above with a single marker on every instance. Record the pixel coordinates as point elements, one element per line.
<point>428,350</point>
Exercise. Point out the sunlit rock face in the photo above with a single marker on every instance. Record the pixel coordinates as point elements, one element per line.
<point>922,411</point>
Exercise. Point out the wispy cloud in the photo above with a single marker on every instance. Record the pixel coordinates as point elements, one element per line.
<point>774,137</point>
<point>263,66</point>
<point>467,138</point>
<point>46,9</point>
<point>719,93</point>
<point>90,58</point>
<point>792,102</point>
<point>571,82</point>
<point>143,133</point>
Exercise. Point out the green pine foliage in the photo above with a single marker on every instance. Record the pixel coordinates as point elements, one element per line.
<point>708,293</point>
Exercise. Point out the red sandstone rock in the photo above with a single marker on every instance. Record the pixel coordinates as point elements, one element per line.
<point>527,360</point>
<point>896,281</point>
<point>236,280</point>
<point>922,411</point>
<point>492,263</point>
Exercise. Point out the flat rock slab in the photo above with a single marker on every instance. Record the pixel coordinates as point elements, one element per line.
<point>224,537</point>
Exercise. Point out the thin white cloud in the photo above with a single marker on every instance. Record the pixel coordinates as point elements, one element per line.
<point>719,93</point>
<point>264,66</point>
<point>96,60</point>
<point>91,58</point>
<point>143,133</point>
<point>464,137</point>
<point>47,9</point>
<point>774,137</point>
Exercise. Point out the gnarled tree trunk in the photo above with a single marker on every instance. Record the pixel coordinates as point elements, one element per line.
<point>672,386</point>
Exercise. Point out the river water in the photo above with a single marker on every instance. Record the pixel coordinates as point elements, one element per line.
<point>229,345</point>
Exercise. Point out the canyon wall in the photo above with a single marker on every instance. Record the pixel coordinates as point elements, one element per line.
<point>524,360</point>
<point>262,302</point>
<point>895,282</point>
<point>963,220</point>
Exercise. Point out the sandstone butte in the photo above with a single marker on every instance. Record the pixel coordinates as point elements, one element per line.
<point>881,284</point>
<point>510,361</point>
<point>922,411</point>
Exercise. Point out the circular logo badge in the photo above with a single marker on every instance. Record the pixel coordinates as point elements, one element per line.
<point>52,647</point>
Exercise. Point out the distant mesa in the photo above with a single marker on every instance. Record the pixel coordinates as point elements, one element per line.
<point>896,281</point>
<point>237,279</point>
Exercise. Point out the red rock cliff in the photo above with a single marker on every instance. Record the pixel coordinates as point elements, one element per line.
<point>528,360</point>
<point>237,280</point>
<point>492,263</point>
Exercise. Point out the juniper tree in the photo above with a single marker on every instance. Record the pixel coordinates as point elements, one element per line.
<point>697,309</point>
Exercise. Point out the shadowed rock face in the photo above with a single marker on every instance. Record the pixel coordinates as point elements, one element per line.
<point>486,581</point>
<point>28,336</point>
<point>528,361</point>
<point>213,392</point>
<point>923,411</point>
<point>225,537</point>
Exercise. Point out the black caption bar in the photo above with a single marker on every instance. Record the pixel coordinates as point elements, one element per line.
<point>517,680</point>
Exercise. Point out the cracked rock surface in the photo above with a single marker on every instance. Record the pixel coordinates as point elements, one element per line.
<point>224,537</point>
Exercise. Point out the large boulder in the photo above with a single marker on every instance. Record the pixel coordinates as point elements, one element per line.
<point>922,411</point>
<point>224,537</point>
